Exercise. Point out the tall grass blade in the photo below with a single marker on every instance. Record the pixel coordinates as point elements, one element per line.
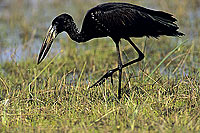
<point>79,79</point>
<point>44,69</point>
<point>169,54</point>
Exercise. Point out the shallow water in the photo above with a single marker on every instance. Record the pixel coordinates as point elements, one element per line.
<point>17,28</point>
<point>22,33</point>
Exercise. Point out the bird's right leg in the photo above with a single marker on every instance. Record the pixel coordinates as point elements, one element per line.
<point>110,72</point>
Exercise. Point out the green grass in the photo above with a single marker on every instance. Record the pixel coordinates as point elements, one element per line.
<point>160,93</point>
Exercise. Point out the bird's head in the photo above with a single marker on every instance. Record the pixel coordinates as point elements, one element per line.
<point>62,22</point>
<point>59,24</point>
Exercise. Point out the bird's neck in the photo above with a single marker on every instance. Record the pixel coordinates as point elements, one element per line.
<point>75,34</point>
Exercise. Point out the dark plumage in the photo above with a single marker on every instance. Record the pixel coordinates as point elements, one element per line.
<point>116,20</point>
<point>127,20</point>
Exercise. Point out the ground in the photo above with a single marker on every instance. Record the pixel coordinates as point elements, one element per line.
<point>160,93</point>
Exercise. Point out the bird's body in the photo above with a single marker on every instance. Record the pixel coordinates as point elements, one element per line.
<point>124,20</point>
<point>116,20</point>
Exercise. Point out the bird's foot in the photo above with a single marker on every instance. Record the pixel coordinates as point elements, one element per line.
<point>104,77</point>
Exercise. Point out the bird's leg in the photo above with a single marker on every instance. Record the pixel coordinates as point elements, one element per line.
<point>141,55</point>
<point>111,78</point>
<point>120,69</point>
<point>104,77</point>
<point>110,72</point>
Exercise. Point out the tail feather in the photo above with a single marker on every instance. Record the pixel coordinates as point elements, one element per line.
<point>176,33</point>
<point>164,15</point>
<point>167,25</point>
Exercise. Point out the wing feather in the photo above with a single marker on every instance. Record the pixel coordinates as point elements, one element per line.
<point>124,18</point>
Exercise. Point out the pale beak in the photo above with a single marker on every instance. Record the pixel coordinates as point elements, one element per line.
<point>48,40</point>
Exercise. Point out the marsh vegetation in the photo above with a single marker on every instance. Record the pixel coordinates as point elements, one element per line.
<point>158,95</point>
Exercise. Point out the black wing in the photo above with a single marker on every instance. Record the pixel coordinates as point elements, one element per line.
<point>127,20</point>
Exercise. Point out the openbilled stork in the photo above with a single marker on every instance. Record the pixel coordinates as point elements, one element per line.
<point>117,21</point>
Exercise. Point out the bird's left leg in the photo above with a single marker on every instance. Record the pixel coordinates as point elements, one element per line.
<point>120,69</point>
<point>110,72</point>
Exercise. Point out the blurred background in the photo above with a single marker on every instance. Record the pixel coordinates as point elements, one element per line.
<point>23,23</point>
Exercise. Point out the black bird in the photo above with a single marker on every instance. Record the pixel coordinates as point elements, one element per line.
<point>118,21</point>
